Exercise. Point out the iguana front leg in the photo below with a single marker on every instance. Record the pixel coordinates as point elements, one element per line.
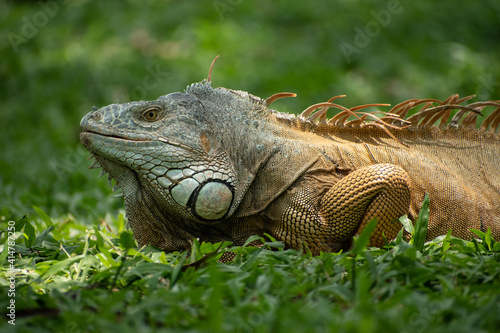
<point>328,224</point>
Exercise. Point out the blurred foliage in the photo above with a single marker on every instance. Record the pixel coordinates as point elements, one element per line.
<point>59,58</point>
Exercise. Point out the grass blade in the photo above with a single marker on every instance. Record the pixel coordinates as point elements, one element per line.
<point>421,225</point>
<point>364,238</point>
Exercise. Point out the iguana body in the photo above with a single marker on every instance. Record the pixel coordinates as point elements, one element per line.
<point>218,164</point>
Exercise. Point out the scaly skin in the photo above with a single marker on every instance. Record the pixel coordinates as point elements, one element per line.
<point>218,164</point>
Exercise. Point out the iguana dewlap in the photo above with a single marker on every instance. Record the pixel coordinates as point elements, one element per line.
<point>218,164</point>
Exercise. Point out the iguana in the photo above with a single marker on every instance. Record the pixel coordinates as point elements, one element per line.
<point>219,164</point>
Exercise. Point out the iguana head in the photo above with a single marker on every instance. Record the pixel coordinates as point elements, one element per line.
<point>165,150</point>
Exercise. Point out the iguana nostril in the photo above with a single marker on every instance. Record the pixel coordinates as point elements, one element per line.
<point>95,116</point>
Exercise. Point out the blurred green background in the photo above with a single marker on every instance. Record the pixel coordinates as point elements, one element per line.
<point>59,58</point>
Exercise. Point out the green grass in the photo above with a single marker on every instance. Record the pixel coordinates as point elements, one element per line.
<point>68,278</point>
<point>78,268</point>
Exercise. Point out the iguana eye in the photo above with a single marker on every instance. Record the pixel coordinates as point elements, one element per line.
<point>151,114</point>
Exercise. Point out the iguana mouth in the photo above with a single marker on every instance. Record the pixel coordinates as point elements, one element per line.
<point>86,134</point>
<point>127,178</point>
<point>113,136</point>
